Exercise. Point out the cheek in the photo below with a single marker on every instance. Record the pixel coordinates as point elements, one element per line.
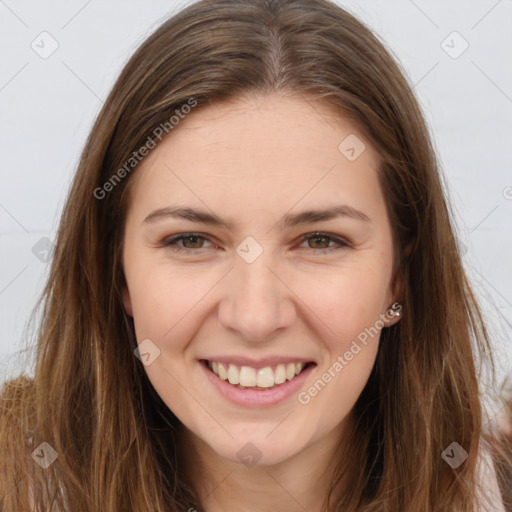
<point>340,385</point>
<point>345,312</point>
<point>350,334</point>
<point>345,300</point>
<point>160,297</point>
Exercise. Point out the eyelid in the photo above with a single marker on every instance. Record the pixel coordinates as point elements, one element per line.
<point>171,241</point>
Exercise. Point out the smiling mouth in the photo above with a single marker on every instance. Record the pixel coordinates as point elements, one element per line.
<point>247,377</point>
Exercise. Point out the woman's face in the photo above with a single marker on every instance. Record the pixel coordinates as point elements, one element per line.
<point>254,291</point>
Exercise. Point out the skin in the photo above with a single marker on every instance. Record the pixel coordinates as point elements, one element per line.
<point>253,161</point>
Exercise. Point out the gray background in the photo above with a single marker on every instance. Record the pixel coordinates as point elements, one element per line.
<point>47,106</point>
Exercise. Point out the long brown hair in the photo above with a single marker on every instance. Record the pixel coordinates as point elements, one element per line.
<point>90,399</point>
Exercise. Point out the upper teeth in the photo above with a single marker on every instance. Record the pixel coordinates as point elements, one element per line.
<point>247,376</point>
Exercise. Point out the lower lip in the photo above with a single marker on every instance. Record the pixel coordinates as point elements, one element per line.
<point>254,397</point>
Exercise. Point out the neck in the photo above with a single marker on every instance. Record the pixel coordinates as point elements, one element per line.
<point>294,485</point>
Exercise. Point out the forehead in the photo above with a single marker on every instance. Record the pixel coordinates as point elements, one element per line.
<point>260,153</point>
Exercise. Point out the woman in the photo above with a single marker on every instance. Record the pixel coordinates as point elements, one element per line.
<point>198,350</point>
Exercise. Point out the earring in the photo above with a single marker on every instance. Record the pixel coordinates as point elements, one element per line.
<point>393,312</point>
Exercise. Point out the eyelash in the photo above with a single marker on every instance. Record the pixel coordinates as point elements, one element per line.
<point>171,242</point>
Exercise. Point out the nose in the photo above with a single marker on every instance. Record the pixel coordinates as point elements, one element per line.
<point>257,302</point>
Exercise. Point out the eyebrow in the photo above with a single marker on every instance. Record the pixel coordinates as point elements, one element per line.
<point>287,221</point>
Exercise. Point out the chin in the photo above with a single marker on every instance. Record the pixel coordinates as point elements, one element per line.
<point>252,451</point>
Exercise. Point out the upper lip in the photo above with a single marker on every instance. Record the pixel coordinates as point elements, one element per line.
<point>258,363</point>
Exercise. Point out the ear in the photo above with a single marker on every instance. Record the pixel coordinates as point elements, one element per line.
<point>391,317</point>
<point>127,301</point>
<point>393,313</point>
<point>407,250</point>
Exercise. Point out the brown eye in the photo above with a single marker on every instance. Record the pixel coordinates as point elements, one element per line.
<point>320,241</point>
<point>195,241</point>
<point>190,242</point>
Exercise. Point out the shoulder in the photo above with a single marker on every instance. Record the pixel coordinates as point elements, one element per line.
<point>17,406</point>
<point>17,401</point>
<point>490,499</point>
<point>19,468</point>
<point>12,389</point>
<point>17,413</point>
